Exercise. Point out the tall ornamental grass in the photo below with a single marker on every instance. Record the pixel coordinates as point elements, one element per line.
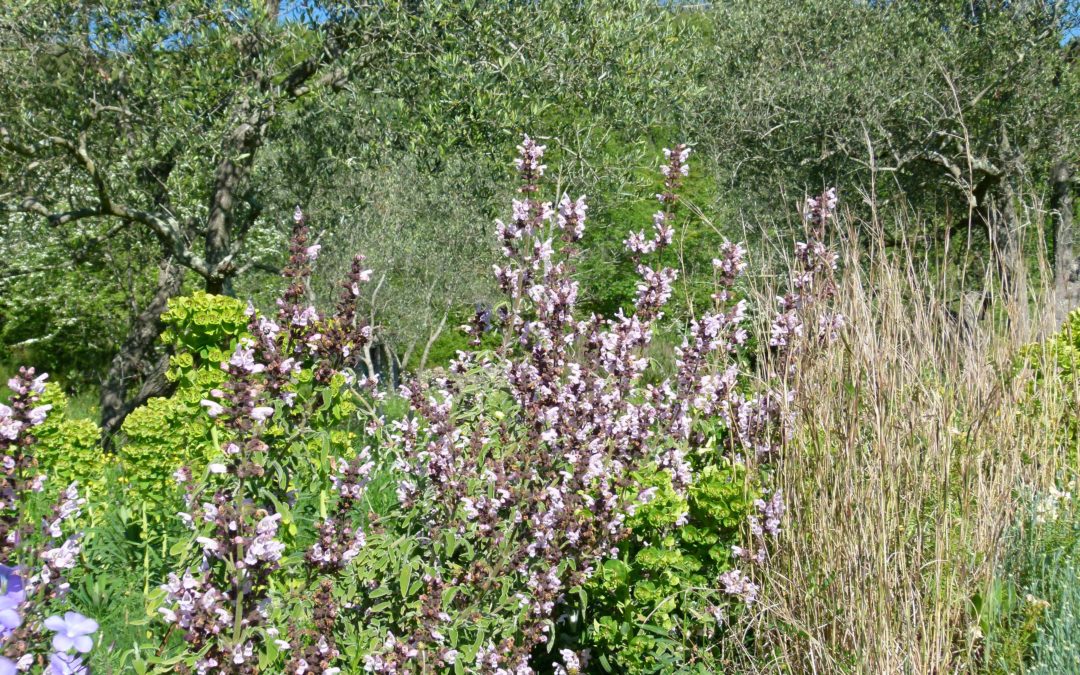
<point>920,435</point>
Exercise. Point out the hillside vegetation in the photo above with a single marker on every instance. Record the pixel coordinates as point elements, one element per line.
<point>548,337</point>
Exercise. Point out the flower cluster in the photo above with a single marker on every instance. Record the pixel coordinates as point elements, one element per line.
<point>762,424</point>
<point>811,284</point>
<point>317,657</point>
<point>339,540</point>
<point>739,585</point>
<point>18,466</point>
<point>37,545</point>
<point>265,396</point>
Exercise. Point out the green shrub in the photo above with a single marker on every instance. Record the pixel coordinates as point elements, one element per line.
<point>1030,612</point>
<point>658,605</point>
<point>69,449</point>
<point>167,433</point>
<point>1061,350</point>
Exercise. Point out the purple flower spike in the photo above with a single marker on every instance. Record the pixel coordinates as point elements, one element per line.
<point>7,666</point>
<point>73,630</point>
<point>62,663</point>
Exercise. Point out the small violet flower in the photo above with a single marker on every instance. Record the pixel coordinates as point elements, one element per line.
<point>73,630</point>
<point>62,663</point>
<point>13,595</point>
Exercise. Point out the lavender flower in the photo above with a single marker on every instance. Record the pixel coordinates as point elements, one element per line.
<point>739,585</point>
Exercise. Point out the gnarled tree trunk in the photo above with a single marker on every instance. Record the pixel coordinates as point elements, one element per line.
<point>136,361</point>
<point>1007,243</point>
<point>1066,258</point>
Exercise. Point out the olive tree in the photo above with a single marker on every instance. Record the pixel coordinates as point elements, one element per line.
<point>193,126</point>
<point>960,109</point>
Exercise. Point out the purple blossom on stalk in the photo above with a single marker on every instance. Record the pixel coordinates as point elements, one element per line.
<point>339,540</point>
<point>528,164</point>
<point>26,384</point>
<point>637,243</point>
<point>737,584</point>
<point>40,539</point>
<point>571,219</point>
<point>674,171</point>
<point>811,285</point>
<point>221,607</point>
<point>763,424</point>
<point>770,512</point>
<point>822,208</point>
<point>729,267</point>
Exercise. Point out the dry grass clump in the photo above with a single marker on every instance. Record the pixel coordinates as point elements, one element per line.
<point>918,441</point>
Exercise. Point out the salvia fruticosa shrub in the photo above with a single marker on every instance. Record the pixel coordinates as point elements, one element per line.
<point>39,545</point>
<point>684,572</point>
<point>547,504</point>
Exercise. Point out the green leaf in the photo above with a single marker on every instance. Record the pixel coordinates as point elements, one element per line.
<point>179,548</point>
<point>403,579</point>
<point>448,595</point>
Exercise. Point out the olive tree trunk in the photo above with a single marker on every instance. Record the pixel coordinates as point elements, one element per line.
<point>137,360</point>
